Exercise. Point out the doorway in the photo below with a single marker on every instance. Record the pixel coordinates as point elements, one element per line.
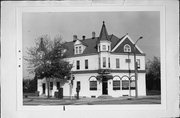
<point>44,88</point>
<point>104,87</point>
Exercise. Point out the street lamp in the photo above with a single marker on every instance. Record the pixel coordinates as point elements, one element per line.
<point>135,67</point>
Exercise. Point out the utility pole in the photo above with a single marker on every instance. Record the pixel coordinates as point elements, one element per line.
<point>135,67</point>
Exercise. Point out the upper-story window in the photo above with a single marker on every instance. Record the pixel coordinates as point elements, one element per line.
<point>104,47</point>
<point>117,63</point>
<point>127,48</point>
<point>104,61</point>
<point>78,50</point>
<point>78,65</point>
<point>109,62</point>
<point>138,63</point>
<point>86,64</point>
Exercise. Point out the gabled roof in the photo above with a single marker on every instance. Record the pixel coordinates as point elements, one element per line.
<point>91,45</point>
<point>126,40</point>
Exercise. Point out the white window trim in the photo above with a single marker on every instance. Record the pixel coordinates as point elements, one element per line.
<point>103,62</point>
<point>93,79</point>
<point>127,48</point>
<point>127,36</point>
<point>103,47</point>
<point>116,62</point>
<point>78,48</point>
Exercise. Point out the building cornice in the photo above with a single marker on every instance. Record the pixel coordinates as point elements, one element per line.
<point>111,71</point>
<point>81,55</point>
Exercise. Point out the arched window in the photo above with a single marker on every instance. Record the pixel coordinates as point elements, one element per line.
<point>133,86</point>
<point>127,48</point>
<point>116,83</point>
<point>92,83</point>
<point>125,83</point>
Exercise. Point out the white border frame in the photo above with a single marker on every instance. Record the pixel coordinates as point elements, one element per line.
<point>161,9</point>
<point>11,13</point>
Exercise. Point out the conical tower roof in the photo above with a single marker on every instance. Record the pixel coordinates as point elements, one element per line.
<point>103,34</point>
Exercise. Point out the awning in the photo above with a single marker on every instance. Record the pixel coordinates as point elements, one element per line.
<point>104,77</point>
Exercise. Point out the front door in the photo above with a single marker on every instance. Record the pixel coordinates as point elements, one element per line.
<point>44,88</point>
<point>104,87</point>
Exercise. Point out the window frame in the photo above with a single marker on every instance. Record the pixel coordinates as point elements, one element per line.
<point>78,64</point>
<point>86,64</point>
<point>104,62</point>
<point>117,63</point>
<point>125,79</point>
<point>94,88</point>
<point>138,63</point>
<point>78,85</point>
<point>76,50</point>
<point>80,49</point>
<point>132,88</point>
<point>127,48</point>
<point>104,47</point>
<point>117,87</point>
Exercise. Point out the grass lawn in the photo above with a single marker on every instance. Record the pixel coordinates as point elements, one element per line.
<point>154,99</point>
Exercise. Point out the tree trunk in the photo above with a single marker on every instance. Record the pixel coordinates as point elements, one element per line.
<point>48,81</point>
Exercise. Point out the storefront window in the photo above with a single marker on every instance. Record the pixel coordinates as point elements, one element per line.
<point>125,84</point>
<point>133,86</point>
<point>93,85</point>
<point>116,84</point>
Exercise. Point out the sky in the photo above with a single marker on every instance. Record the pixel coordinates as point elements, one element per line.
<point>67,24</point>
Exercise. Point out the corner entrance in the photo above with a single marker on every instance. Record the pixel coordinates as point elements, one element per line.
<point>104,87</point>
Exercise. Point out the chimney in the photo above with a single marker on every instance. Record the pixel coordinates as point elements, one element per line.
<point>93,35</point>
<point>83,37</point>
<point>74,37</point>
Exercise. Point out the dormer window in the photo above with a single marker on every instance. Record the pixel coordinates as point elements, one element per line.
<point>127,48</point>
<point>78,49</point>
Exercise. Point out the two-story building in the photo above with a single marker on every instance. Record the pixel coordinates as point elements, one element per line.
<point>102,65</point>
